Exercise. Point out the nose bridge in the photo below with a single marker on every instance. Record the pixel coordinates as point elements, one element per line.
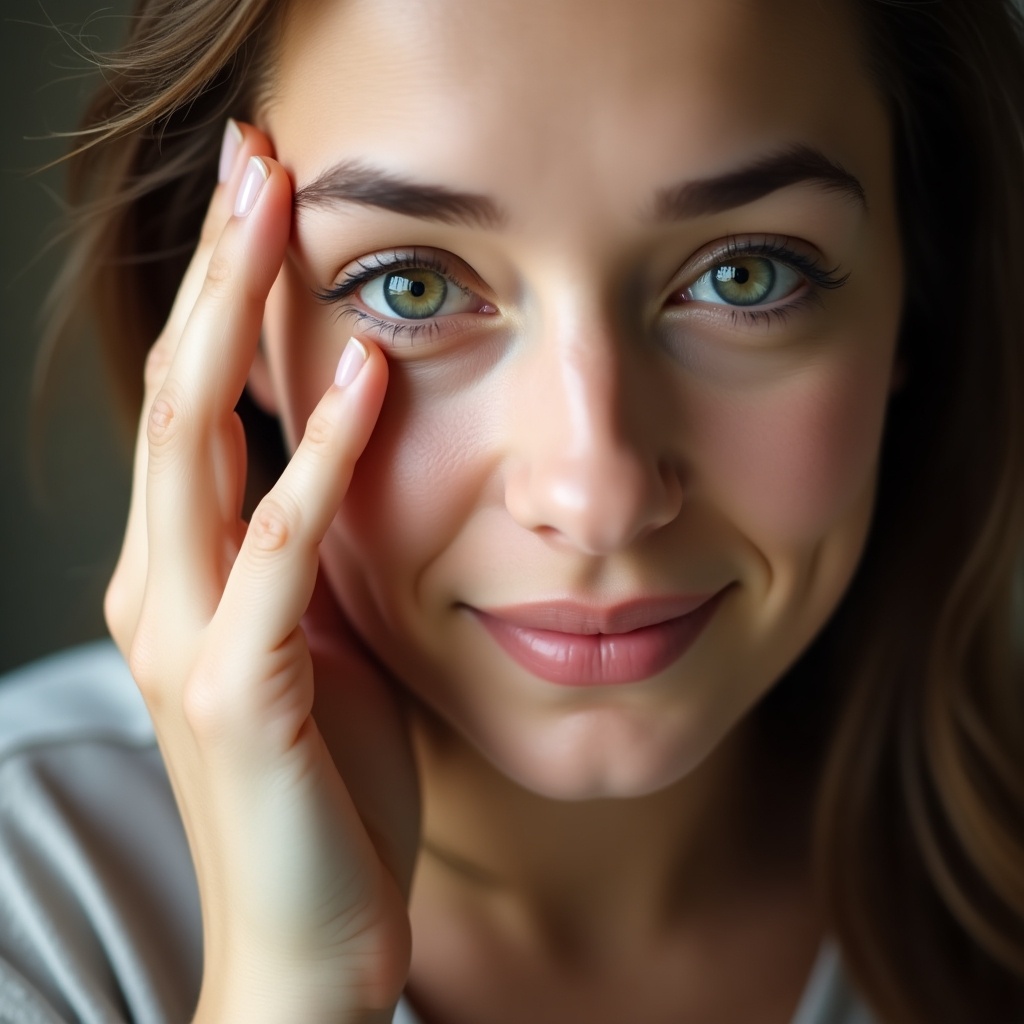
<point>588,466</point>
<point>584,371</point>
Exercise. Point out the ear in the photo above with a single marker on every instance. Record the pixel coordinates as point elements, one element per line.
<point>258,385</point>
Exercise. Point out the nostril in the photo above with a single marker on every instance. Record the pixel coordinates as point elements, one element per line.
<point>671,492</point>
<point>598,501</point>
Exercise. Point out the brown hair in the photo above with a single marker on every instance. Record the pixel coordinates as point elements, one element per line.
<point>920,823</point>
<point>919,828</point>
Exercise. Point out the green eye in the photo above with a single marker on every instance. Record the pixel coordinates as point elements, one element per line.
<point>744,282</point>
<point>414,293</point>
<point>411,289</point>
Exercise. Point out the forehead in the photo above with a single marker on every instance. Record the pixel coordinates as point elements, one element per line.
<point>552,103</point>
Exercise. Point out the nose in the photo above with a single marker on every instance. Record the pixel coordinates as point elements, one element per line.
<point>592,465</point>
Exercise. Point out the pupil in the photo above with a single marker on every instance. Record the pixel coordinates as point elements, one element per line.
<point>746,282</point>
<point>417,288</point>
<point>731,273</point>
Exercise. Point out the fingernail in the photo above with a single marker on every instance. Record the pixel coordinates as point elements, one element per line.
<point>229,149</point>
<point>253,180</point>
<point>352,361</point>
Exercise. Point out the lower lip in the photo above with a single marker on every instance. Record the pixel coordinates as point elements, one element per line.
<point>600,659</point>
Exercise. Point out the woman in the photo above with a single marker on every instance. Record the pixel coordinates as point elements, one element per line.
<point>616,583</point>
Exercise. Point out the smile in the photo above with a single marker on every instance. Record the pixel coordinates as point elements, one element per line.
<point>572,644</point>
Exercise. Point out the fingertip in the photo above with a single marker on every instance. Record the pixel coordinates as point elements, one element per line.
<point>240,142</point>
<point>262,209</point>
<point>377,366</point>
<point>231,143</point>
<point>255,176</point>
<point>353,359</point>
<point>361,360</point>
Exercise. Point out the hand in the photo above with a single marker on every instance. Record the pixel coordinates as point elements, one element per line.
<point>303,845</point>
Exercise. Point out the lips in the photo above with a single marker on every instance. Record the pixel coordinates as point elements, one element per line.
<point>574,644</point>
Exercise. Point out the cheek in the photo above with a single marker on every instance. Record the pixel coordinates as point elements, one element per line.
<point>425,471</point>
<point>791,462</point>
<point>428,462</point>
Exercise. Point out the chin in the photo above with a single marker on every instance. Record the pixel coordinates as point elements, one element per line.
<point>600,755</point>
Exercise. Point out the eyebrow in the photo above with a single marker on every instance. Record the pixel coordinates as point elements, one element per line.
<point>792,166</point>
<point>353,181</point>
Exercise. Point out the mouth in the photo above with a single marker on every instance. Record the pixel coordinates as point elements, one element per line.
<point>573,644</point>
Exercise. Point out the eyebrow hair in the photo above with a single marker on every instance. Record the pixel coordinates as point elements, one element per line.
<point>792,166</point>
<point>354,182</point>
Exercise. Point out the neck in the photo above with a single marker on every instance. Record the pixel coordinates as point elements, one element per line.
<point>587,873</point>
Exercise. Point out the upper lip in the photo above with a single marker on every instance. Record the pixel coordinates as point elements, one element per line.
<point>568,616</point>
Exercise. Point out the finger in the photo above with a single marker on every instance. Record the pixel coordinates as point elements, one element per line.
<point>123,598</point>
<point>230,469</point>
<point>184,526</point>
<point>241,142</point>
<point>272,580</point>
<point>232,481</point>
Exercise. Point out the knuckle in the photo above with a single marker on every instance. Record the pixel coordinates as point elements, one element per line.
<point>225,707</point>
<point>320,432</point>
<point>272,525</point>
<point>206,708</point>
<point>167,417</point>
<point>219,276</point>
<point>117,606</point>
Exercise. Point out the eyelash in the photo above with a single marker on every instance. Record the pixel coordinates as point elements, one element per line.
<point>776,248</point>
<point>374,266</point>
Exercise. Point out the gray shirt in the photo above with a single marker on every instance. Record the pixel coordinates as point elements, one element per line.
<point>99,913</point>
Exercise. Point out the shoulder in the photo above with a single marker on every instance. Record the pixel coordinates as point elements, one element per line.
<point>99,914</point>
<point>99,911</point>
<point>83,694</point>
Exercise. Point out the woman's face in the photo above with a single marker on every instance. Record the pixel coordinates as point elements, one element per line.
<point>641,318</point>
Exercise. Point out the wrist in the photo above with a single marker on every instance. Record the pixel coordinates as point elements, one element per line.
<point>262,1002</point>
<point>222,1009</point>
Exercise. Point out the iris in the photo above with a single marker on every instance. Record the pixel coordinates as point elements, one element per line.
<point>415,293</point>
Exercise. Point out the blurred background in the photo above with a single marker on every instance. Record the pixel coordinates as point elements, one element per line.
<point>63,491</point>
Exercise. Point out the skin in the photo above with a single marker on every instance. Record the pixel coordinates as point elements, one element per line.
<point>584,439</point>
<point>571,442</point>
<point>575,430</point>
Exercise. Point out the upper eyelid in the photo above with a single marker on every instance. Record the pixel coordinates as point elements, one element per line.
<point>776,247</point>
<point>397,259</point>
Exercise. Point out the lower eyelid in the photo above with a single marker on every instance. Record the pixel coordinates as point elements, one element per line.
<point>407,333</point>
<point>776,313</point>
<point>715,316</point>
<point>412,329</point>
